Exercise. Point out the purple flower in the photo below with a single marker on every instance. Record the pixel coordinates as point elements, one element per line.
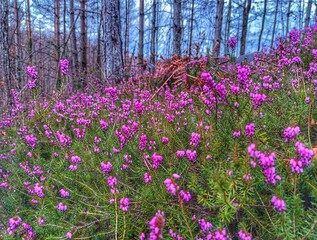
<point>112,181</point>
<point>156,225</point>
<point>249,129</point>
<point>194,139</point>
<point>75,159</point>
<point>38,190</point>
<point>69,235</point>
<point>191,155</point>
<point>180,153</point>
<point>204,225</point>
<point>290,133</point>
<point>61,207</point>
<point>232,42</point>
<point>64,66</point>
<point>236,134</point>
<point>142,142</point>
<point>124,204</point>
<point>147,177</point>
<point>103,124</point>
<point>171,186</point>
<point>186,196</point>
<point>64,193</point>
<point>165,140</point>
<point>14,222</point>
<point>106,167</point>
<point>278,203</point>
<point>157,159</point>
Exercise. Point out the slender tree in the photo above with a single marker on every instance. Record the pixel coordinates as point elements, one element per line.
<point>5,65</point>
<point>245,20</point>
<point>288,15</point>
<point>274,23</point>
<point>141,32</point>
<point>308,11</point>
<point>73,35</point>
<point>191,27</point>
<point>113,42</point>
<point>57,42</point>
<point>177,28</point>
<point>262,25</point>
<point>18,46</point>
<point>218,26</point>
<point>29,31</point>
<point>227,27</point>
<point>127,31</point>
<point>153,32</point>
<point>83,37</point>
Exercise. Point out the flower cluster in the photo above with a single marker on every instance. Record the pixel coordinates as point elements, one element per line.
<point>64,66</point>
<point>278,203</point>
<point>290,133</point>
<point>156,225</point>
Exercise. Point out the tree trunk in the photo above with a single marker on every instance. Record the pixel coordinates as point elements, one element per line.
<point>83,36</point>
<point>141,33</point>
<point>218,27</point>
<point>288,15</point>
<point>64,28</point>
<point>246,10</point>
<point>17,42</point>
<point>191,26</point>
<point>5,66</point>
<point>127,32</point>
<point>153,33</point>
<point>57,42</point>
<point>228,22</point>
<point>113,42</point>
<point>274,24</point>
<point>73,36</point>
<point>99,54</point>
<point>29,32</point>
<point>308,11</point>
<point>263,23</point>
<point>177,28</point>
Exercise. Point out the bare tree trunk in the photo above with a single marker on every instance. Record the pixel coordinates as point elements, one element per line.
<point>99,54</point>
<point>218,27</point>
<point>113,42</point>
<point>308,11</point>
<point>141,33</point>
<point>64,27</point>
<point>274,23</point>
<point>153,33</point>
<point>288,15</point>
<point>57,42</point>
<point>228,22</point>
<point>127,32</point>
<point>263,23</point>
<point>29,32</point>
<point>17,42</point>
<point>5,65</point>
<point>246,10</point>
<point>177,28</point>
<point>83,36</point>
<point>191,26</point>
<point>73,35</point>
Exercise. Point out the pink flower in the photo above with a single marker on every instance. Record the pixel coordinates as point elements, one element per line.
<point>61,207</point>
<point>278,203</point>
<point>124,204</point>
<point>64,193</point>
<point>106,167</point>
<point>171,186</point>
<point>147,177</point>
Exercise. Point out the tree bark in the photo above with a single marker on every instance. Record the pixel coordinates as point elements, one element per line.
<point>83,36</point>
<point>29,32</point>
<point>153,33</point>
<point>177,28</point>
<point>288,15</point>
<point>73,35</point>
<point>113,42</point>
<point>227,28</point>
<point>218,27</point>
<point>127,32</point>
<point>274,24</point>
<point>246,10</point>
<point>57,42</point>
<point>17,42</point>
<point>308,11</point>
<point>141,32</point>
<point>263,23</point>
<point>5,65</point>
<point>191,26</point>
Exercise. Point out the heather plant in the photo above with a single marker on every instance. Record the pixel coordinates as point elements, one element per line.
<point>229,154</point>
